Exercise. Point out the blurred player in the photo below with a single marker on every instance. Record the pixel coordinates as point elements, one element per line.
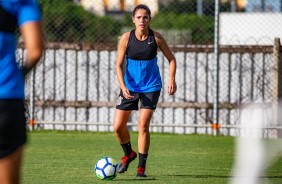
<point>24,14</point>
<point>140,82</point>
<point>254,153</point>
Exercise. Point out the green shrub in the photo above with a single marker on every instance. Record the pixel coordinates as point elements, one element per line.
<point>201,27</point>
<point>64,21</point>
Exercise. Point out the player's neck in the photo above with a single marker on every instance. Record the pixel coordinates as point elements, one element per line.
<point>141,34</point>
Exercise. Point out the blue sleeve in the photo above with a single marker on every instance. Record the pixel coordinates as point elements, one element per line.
<point>28,12</point>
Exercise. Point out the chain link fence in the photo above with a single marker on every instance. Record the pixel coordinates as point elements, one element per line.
<point>180,21</point>
<point>75,87</point>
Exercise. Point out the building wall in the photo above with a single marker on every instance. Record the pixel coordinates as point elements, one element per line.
<point>249,28</point>
<point>99,7</point>
<point>263,6</point>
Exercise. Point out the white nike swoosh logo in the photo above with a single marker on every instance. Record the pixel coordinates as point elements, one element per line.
<point>150,42</point>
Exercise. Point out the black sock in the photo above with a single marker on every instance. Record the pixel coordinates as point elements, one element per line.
<point>126,148</point>
<point>142,160</point>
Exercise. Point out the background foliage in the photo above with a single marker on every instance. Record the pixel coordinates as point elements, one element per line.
<point>65,21</point>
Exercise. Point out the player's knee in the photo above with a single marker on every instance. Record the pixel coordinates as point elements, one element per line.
<point>118,129</point>
<point>143,128</point>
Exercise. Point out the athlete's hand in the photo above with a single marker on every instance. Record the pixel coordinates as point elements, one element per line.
<point>171,87</point>
<point>126,93</point>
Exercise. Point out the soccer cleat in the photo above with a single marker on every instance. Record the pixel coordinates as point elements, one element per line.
<point>126,161</point>
<point>141,172</point>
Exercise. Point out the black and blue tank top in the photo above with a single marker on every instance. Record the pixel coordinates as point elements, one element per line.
<point>8,22</point>
<point>142,72</point>
<point>13,13</point>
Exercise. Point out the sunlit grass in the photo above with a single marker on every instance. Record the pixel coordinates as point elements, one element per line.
<point>69,157</point>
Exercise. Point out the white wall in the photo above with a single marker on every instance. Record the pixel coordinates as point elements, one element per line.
<point>250,28</point>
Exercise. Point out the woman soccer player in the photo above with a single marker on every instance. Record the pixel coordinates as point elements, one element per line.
<point>26,15</point>
<point>140,82</point>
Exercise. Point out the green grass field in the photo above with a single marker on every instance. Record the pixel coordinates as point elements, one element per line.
<point>69,157</point>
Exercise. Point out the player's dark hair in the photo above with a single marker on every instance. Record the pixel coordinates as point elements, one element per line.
<point>143,7</point>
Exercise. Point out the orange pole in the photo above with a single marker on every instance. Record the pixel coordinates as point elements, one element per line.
<point>215,126</point>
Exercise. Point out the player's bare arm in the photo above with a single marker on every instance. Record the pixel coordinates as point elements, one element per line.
<point>171,59</point>
<point>119,63</point>
<point>34,44</point>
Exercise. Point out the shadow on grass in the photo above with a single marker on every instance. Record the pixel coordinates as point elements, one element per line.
<point>213,176</point>
<point>188,176</point>
<point>197,176</point>
<point>137,179</point>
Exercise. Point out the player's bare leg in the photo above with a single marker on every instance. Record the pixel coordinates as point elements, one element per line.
<point>120,121</point>
<point>143,139</point>
<point>143,130</point>
<point>10,167</point>
<point>123,137</point>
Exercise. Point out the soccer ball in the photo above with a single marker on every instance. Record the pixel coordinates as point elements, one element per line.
<point>106,168</point>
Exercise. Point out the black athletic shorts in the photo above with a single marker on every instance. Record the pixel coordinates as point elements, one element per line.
<point>12,126</point>
<point>147,101</point>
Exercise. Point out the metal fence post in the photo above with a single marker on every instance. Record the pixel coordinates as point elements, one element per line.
<point>31,100</point>
<point>215,125</point>
<point>277,90</point>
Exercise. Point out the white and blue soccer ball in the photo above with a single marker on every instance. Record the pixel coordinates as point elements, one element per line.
<point>106,168</point>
